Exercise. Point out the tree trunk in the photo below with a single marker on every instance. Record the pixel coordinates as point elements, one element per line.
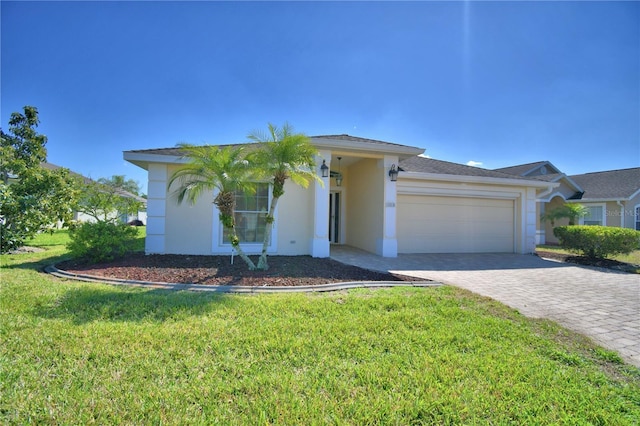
<point>238,249</point>
<point>226,204</point>
<point>262,262</point>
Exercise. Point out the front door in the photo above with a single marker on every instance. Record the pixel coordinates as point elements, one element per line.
<point>334,217</point>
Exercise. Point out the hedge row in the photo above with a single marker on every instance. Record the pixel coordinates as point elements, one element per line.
<point>598,241</point>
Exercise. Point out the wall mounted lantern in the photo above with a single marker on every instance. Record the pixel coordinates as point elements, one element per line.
<point>339,175</point>
<point>393,173</point>
<point>324,169</point>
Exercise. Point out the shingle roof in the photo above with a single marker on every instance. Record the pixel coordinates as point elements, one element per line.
<point>611,184</point>
<point>521,169</point>
<point>429,165</point>
<point>177,152</point>
<point>350,138</point>
<point>550,177</point>
<point>525,169</point>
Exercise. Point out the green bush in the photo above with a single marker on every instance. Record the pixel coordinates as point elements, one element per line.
<point>597,241</point>
<point>101,241</point>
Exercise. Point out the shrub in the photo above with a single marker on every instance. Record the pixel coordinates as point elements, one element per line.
<point>597,241</point>
<point>101,241</point>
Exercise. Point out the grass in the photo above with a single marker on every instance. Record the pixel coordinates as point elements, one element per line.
<point>633,257</point>
<point>89,353</point>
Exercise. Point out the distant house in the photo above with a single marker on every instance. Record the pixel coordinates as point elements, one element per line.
<point>124,217</point>
<point>612,197</point>
<point>429,206</point>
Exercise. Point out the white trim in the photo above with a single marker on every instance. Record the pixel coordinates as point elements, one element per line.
<point>320,246</point>
<point>139,158</point>
<point>621,213</point>
<point>633,195</point>
<point>157,177</point>
<point>551,197</point>
<point>636,216</point>
<point>387,246</point>
<point>604,212</point>
<point>602,200</point>
<point>217,229</point>
<point>403,151</point>
<point>460,192</point>
<point>477,179</point>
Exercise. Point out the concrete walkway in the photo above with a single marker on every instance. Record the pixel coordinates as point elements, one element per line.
<point>599,303</point>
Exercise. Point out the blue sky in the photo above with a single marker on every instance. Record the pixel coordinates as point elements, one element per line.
<point>498,83</point>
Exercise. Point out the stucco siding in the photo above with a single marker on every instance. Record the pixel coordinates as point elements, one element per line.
<point>548,227</point>
<point>188,227</point>
<point>295,220</point>
<point>613,214</point>
<point>365,205</point>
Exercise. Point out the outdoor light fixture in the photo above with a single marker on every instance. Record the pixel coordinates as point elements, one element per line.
<point>324,169</point>
<point>339,175</point>
<point>393,173</point>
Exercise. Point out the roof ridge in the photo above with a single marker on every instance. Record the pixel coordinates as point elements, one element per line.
<point>523,164</point>
<point>606,171</point>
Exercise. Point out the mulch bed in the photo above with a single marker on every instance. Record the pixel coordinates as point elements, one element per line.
<point>582,260</point>
<point>218,270</point>
<point>283,270</point>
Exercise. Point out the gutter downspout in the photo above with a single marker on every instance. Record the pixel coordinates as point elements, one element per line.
<point>621,213</point>
<point>540,233</point>
<point>545,193</point>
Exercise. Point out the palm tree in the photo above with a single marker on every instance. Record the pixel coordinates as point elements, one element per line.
<point>565,211</point>
<point>281,155</point>
<point>213,167</point>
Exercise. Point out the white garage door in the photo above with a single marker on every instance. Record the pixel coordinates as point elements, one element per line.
<point>431,224</point>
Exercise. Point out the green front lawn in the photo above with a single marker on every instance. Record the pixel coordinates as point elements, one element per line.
<point>76,353</point>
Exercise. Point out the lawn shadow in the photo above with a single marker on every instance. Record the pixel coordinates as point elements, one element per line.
<point>88,304</point>
<point>37,265</point>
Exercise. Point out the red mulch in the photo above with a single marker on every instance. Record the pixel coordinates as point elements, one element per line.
<point>217,270</point>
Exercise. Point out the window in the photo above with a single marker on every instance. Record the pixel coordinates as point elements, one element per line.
<point>637,218</point>
<point>251,212</point>
<point>595,216</point>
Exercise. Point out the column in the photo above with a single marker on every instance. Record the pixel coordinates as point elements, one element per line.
<point>156,209</point>
<point>388,245</point>
<point>320,240</point>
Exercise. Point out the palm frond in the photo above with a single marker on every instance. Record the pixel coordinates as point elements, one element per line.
<point>211,167</point>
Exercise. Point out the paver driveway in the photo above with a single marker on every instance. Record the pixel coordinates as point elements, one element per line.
<point>599,303</point>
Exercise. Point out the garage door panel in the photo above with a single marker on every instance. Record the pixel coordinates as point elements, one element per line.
<point>431,224</point>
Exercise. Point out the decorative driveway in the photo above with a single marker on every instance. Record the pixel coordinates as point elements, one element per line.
<point>599,303</point>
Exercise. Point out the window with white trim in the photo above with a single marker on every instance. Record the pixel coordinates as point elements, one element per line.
<point>595,215</point>
<point>638,218</point>
<point>250,214</point>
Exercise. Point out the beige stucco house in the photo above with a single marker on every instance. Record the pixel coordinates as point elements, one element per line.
<point>432,206</point>
<point>612,197</point>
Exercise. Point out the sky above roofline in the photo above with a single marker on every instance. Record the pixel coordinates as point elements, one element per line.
<point>490,84</point>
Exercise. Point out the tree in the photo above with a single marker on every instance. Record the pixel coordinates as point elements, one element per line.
<point>281,155</point>
<point>565,211</point>
<point>120,182</point>
<point>211,167</point>
<point>32,198</point>
<point>25,149</point>
<point>105,203</point>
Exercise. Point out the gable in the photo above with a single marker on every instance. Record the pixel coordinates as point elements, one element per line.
<point>539,168</point>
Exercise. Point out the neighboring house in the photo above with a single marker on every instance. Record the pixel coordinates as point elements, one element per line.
<point>612,197</point>
<point>434,206</point>
<point>124,217</point>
